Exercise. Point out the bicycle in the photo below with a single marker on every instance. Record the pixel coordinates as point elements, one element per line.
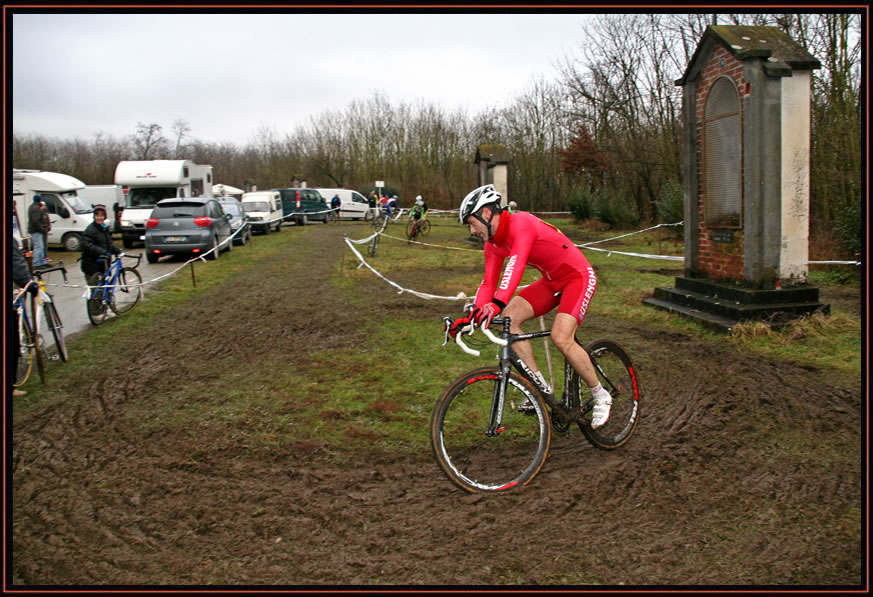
<point>29,339</point>
<point>484,443</point>
<point>416,227</point>
<point>413,229</point>
<point>118,288</point>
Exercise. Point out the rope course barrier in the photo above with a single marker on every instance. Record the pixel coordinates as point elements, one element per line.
<point>586,246</point>
<point>461,295</point>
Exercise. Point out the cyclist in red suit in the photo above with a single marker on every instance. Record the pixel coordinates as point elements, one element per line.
<point>525,239</point>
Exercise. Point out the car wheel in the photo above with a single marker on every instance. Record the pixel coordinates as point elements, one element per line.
<point>72,242</point>
<point>152,257</point>
<point>213,255</point>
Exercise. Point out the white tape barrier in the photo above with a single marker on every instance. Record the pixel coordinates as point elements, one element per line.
<point>400,290</point>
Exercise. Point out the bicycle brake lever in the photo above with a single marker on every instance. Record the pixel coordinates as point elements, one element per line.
<point>447,325</point>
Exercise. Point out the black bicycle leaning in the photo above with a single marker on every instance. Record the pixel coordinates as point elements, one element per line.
<point>484,442</point>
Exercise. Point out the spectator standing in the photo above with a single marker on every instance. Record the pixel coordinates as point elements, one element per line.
<point>38,226</point>
<point>335,204</point>
<point>97,244</point>
<point>371,201</point>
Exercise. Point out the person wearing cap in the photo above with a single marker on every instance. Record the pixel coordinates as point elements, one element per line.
<point>97,244</point>
<point>38,226</point>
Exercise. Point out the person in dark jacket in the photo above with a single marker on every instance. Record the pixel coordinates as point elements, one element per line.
<point>21,276</point>
<point>38,226</point>
<point>97,243</point>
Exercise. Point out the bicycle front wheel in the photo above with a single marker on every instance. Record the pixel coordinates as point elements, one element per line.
<point>410,230</point>
<point>96,307</point>
<point>129,290</point>
<point>53,320</point>
<point>617,374</point>
<point>479,463</point>
<point>26,357</point>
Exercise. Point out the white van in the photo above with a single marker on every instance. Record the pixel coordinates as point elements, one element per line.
<point>353,205</point>
<point>107,195</point>
<point>264,209</point>
<point>68,214</point>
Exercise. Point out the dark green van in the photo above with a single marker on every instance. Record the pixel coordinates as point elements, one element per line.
<point>306,205</point>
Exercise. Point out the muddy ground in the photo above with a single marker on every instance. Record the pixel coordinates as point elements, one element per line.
<point>738,473</point>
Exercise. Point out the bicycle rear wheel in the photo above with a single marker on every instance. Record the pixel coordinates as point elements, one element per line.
<point>27,356</point>
<point>96,307</point>
<point>617,374</point>
<point>474,461</point>
<point>424,227</point>
<point>129,290</point>
<point>53,320</point>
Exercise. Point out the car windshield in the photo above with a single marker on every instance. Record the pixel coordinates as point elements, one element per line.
<point>231,208</point>
<point>77,203</point>
<point>255,206</point>
<point>149,196</point>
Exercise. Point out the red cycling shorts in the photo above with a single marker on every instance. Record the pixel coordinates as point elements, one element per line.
<point>576,291</point>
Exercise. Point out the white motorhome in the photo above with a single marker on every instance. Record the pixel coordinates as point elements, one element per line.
<point>353,205</point>
<point>68,214</point>
<point>149,181</point>
<point>107,195</point>
<point>264,209</point>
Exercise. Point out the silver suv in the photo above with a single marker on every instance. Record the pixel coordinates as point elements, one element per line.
<point>192,226</point>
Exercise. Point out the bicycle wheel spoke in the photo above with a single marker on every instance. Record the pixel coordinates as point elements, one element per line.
<point>476,461</point>
<point>128,291</point>
<point>617,375</point>
<point>26,358</point>
<point>53,321</point>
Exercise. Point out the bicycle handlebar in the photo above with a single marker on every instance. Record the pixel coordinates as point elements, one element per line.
<point>471,327</point>
<point>58,268</point>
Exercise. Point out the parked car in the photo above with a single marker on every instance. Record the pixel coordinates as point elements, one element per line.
<point>353,205</point>
<point>238,219</point>
<point>186,226</point>
<point>264,209</point>
<point>305,204</point>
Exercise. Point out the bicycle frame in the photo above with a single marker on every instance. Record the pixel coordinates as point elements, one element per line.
<point>110,280</point>
<point>509,358</point>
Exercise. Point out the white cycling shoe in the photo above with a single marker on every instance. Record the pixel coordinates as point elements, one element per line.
<point>602,405</point>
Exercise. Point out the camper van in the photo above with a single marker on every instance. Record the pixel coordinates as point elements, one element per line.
<point>107,195</point>
<point>353,205</point>
<point>264,209</point>
<point>68,214</point>
<point>149,181</point>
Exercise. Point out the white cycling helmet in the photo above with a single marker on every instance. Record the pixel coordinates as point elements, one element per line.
<point>476,200</point>
<point>417,198</point>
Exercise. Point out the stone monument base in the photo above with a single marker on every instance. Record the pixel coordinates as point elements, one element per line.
<point>722,305</point>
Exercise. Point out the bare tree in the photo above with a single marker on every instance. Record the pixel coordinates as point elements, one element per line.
<point>181,130</point>
<point>149,142</point>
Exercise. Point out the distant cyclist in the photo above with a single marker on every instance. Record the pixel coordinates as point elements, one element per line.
<point>419,209</point>
<point>523,238</point>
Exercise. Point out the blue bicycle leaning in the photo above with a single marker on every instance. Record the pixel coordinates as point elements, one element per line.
<point>118,289</point>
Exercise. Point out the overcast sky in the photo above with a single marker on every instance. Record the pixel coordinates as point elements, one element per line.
<point>228,75</point>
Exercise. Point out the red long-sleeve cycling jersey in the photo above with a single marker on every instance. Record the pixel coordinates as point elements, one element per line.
<point>524,238</point>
